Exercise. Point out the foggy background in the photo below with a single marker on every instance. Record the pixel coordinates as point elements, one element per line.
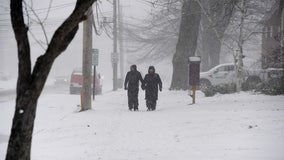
<point>134,12</point>
<point>72,56</point>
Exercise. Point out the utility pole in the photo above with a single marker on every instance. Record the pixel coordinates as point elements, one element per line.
<point>86,92</point>
<point>114,54</point>
<point>120,37</point>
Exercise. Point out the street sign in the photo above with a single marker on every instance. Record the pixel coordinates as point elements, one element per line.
<point>95,57</point>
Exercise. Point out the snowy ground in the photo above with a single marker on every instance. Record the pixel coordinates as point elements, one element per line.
<point>242,126</point>
<point>7,85</point>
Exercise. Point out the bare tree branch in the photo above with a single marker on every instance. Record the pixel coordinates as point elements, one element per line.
<point>40,22</point>
<point>37,41</point>
<point>219,37</point>
<point>49,7</point>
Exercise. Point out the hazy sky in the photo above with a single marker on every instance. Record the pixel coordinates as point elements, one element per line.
<point>134,10</point>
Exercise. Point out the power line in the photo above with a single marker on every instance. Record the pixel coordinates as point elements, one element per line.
<point>52,8</point>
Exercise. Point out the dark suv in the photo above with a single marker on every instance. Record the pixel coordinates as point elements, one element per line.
<point>76,82</point>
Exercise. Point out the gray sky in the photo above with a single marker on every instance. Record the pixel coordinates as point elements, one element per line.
<point>133,10</point>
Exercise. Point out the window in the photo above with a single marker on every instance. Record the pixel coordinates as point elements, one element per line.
<point>230,68</point>
<point>221,69</point>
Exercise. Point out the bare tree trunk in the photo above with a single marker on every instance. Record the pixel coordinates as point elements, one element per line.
<point>31,82</point>
<point>26,103</point>
<point>240,63</point>
<point>186,45</point>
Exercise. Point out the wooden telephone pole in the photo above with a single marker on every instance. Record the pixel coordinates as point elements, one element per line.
<point>86,93</point>
<point>114,54</point>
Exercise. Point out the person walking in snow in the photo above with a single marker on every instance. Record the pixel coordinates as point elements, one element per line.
<point>152,82</point>
<point>131,84</point>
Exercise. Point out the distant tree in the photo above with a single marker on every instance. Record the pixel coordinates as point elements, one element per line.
<point>245,27</point>
<point>31,81</point>
<point>187,42</point>
<point>156,36</point>
<point>215,18</point>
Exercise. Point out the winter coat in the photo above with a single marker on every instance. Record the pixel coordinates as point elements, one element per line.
<point>152,82</point>
<point>131,82</point>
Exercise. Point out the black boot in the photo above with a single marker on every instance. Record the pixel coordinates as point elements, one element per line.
<point>135,106</point>
<point>149,105</point>
<point>154,105</point>
<point>130,107</point>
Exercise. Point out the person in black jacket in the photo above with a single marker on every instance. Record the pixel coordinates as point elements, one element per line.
<point>131,84</point>
<point>152,82</point>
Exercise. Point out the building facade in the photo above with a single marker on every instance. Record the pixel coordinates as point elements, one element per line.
<point>272,37</point>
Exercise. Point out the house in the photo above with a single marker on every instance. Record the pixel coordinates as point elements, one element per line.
<point>273,38</point>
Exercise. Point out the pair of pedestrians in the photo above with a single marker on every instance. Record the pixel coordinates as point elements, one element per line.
<point>151,83</point>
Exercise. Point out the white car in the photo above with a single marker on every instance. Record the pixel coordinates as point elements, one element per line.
<point>220,74</point>
<point>226,74</point>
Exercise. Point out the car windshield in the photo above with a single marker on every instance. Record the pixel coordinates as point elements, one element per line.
<point>229,67</point>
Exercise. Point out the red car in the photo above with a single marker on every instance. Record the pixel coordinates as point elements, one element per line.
<point>76,82</point>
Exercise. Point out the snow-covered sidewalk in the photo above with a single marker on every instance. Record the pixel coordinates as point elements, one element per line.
<point>242,126</point>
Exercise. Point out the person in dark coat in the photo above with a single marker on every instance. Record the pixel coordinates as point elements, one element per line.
<point>131,84</point>
<point>152,82</point>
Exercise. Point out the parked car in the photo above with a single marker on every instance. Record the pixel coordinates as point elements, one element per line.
<point>76,82</point>
<point>225,74</point>
<point>220,74</point>
<point>61,81</point>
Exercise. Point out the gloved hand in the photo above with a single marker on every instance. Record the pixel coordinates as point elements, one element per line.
<point>160,89</point>
<point>125,88</point>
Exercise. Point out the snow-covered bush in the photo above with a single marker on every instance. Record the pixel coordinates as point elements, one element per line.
<point>222,89</point>
<point>209,91</point>
<point>274,86</point>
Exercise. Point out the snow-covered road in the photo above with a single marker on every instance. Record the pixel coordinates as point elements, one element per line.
<point>242,126</point>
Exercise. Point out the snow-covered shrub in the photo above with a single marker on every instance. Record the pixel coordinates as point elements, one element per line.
<point>251,83</point>
<point>274,86</point>
<point>222,89</point>
<point>209,91</point>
